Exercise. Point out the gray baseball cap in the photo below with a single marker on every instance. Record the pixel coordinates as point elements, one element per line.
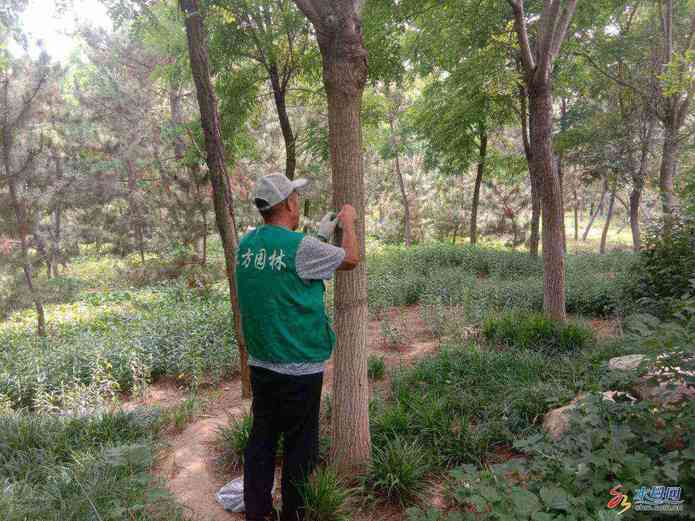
<point>272,189</point>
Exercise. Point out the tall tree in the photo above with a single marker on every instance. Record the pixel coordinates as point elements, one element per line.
<point>537,59</point>
<point>677,87</point>
<point>217,167</point>
<point>338,28</point>
<point>24,86</point>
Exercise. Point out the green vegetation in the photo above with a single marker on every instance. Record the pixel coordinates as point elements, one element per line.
<point>232,440</point>
<point>375,367</point>
<point>69,469</point>
<point>536,332</point>
<point>118,340</point>
<point>326,497</point>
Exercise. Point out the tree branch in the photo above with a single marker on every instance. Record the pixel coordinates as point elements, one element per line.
<point>562,27</point>
<point>522,35</point>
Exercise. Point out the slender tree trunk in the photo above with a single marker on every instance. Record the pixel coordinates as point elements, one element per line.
<point>596,212</point>
<point>22,228</point>
<point>482,155</point>
<point>609,215</point>
<point>279,95</point>
<point>401,184</point>
<point>135,212</point>
<point>576,215</point>
<point>541,119</point>
<point>456,231</point>
<point>638,180</point>
<point>222,195</point>
<point>536,185</point>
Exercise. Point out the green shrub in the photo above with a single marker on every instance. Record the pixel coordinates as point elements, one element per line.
<point>537,332</point>
<point>326,497</point>
<point>397,471</point>
<point>665,271</point>
<point>375,367</point>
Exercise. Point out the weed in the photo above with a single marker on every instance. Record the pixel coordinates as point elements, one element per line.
<point>233,439</point>
<point>326,496</point>
<point>397,471</point>
<point>376,367</point>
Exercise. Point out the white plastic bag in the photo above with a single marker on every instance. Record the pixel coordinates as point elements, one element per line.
<point>231,496</point>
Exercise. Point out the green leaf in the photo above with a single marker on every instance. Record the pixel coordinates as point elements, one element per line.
<point>525,502</point>
<point>555,498</point>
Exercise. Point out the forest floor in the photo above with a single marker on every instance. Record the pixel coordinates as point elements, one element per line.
<point>189,464</point>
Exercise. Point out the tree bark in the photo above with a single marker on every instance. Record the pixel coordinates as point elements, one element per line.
<point>607,224</point>
<point>536,187</point>
<point>482,155</point>
<point>576,215</point>
<point>279,95</point>
<point>339,33</point>
<point>638,180</point>
<point>222,195</point>
<point>541,119</point>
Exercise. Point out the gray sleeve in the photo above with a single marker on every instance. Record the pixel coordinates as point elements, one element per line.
<point>317,260</point>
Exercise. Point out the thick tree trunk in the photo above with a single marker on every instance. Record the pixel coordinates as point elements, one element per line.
<point>607,224</point>
<point>561,180</point>
<point>482,155</point>
<point>279,95</point>
<point>635,199</point>
<point>339,32</point>
<point>594,214</point>
<point>540,124</point>
<point>222,195</point>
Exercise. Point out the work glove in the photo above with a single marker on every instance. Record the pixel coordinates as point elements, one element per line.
<point>327,226</point>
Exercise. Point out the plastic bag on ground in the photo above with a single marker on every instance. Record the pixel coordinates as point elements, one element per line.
<point>231,496</point>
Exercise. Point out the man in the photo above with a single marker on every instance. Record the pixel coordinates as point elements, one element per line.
<point>280,275</point>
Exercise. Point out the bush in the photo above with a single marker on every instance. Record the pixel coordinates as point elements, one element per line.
<point>665,271</point>
<point>536,332</point>
<point>397,471</point>
<point>375,367</point>
<point>325,497</point>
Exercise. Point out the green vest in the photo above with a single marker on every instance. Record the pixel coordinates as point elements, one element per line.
<point>283,316</point>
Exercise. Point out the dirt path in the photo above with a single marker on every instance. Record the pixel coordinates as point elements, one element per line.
<point>189,465</point>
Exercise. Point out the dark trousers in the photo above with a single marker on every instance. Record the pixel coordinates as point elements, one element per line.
<point>289,405</point>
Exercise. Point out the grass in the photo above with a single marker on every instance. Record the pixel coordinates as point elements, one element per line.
<point>536,332</point>
<point>326,497</point>
<point>376,367</point>
<point>232,440</point>
<point>64,469</point>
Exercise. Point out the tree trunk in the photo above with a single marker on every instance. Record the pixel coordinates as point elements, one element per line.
<point>561,180</point>
<point>279,95</point>
<point>339,33</point>
<point>22,228</point>
<point>136,220</point>
<point>536,186</point>
<point>667,172</point>
<point>540,124</point>
<point>609,215</point>
<point>576,215</point>
<point>401,184</point>
<point>596,212</point>
<point>221,192</point>
<point>482,154</point>
<point>456,231</point>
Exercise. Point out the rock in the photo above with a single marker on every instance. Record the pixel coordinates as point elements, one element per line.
<point>666,386</point>
<point>557,421</point>
<point>625,363</point>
